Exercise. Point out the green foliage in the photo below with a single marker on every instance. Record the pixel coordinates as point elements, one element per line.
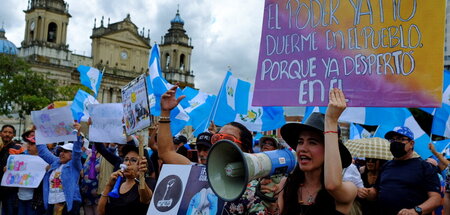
<point>23,90</point>
<point>68,92</point>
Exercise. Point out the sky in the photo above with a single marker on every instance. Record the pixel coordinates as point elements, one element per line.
<point>225,33</point>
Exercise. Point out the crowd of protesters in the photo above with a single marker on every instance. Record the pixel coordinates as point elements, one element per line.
<point>326,180</point>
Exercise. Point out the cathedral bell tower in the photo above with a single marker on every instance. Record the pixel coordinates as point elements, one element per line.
<point>176,49</point>
<point>46,31</point>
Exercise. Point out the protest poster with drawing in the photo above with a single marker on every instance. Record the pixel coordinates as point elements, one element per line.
<point>54,125</point>
<point>135,105</point>
<point>186,192</point>
<point>107,126</point>
<point>382,53</point>
<point>24,171</point>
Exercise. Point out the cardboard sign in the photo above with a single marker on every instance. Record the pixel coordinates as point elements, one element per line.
<point>54,125</point>
<point>172,196</point>
<point>24,171</point>
<point>382,53</point>
<point>106,124</point>
<point>135,105</point>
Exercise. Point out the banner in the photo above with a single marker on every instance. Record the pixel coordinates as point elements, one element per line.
<point>135,105</point>
<point>24,171</point>
<point>54,125</point>
<point>382,53</point>
<point>106,124</point>
<point>172,196</point>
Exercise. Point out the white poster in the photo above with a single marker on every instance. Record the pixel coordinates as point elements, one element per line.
<point>54,125</point>
<point>24,171</point>
<point>172,196</point>
<point>135,105</point>
<point>106,124</point>
<point>169,189</point>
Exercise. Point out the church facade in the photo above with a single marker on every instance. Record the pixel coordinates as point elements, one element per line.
<point>119,49</point>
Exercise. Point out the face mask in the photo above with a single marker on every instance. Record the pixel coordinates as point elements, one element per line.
<point>398,149</point>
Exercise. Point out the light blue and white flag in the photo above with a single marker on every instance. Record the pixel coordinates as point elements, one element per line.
<point>358,132</point>
<point>80,104</point>
<point>90,77</point>
<point>421,139</point>
<point>197,105</point>
<point>233,98</point>
<point>441,119</point>
<point>366,115</point>
<point>157,86</point>
<point>261,118</point>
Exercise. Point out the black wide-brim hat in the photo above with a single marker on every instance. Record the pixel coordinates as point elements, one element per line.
<point>291,132</point>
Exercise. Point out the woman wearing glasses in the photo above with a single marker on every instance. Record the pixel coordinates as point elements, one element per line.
<point>233,131</point>
<point>131,200</point>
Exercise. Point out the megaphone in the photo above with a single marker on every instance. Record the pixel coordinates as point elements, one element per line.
<point>229,169</point>
<point>115,191</point>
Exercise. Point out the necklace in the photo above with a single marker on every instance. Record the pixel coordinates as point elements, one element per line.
<point>310,196</point>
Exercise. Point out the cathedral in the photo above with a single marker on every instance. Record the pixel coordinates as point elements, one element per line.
<point>117,48</point>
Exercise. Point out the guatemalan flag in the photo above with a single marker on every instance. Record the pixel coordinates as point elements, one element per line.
<point>233,98</point>
<point>358,132</point>
<point>157,86</point>
<point>198,106</point>
<point>90,77</point>
<point>441,119</point>
<point>80,104</point>
<point>386,119</point>
<point>261,118</point>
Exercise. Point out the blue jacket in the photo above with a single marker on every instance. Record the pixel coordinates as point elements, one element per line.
<point>70,173</point>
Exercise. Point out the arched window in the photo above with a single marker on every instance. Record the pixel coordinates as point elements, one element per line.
<point>51,35</point>
<point>167,60</point>
<point>182,57</point>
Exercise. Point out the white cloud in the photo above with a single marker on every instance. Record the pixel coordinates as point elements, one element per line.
<point>224,32</point>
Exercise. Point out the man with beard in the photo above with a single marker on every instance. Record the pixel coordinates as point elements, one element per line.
<point>8,195</point>
<point>406,185</point>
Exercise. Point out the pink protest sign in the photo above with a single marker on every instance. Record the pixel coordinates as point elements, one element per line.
<point>382,53</point>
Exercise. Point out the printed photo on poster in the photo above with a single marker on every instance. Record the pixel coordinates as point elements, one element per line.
<point>135,105</point>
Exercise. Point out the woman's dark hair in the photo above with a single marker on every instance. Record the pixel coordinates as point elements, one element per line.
<point>129,148</point>
<point>9,126</point>
<point>246,136</point>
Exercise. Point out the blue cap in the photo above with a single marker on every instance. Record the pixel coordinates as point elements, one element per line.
<point>400,130</point>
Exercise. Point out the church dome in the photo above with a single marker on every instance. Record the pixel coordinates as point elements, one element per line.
<point>177,18</point>
<point>6,46</point>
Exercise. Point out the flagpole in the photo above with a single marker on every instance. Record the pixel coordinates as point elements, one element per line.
<point>212,114</point>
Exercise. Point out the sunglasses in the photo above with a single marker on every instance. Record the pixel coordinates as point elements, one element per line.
<point>217,137</point>
<point>401,139</point>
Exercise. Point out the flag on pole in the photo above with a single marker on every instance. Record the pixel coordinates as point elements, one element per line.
<point>91,78</point>
<point>441,119</point>
<point>421,139</point>
<point>261,118</point>
<point>157,86</point>
<point>197,105</point>
<point>80,104</point>
<point>358,132</point>
<point>233,98</point>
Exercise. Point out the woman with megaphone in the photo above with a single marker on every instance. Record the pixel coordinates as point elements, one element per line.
<point>316,186</point>
<point>122,195</point>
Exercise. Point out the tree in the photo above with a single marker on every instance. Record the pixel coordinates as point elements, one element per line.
<point>21,89</point>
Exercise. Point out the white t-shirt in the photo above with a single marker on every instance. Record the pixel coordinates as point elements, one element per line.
<point>25,194</point>
<point>56,194</point>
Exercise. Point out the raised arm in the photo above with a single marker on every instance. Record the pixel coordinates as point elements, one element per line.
<point>343,192</point>
<point>76,152</point>
<point>166,150</point>
<point>45,154</point>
